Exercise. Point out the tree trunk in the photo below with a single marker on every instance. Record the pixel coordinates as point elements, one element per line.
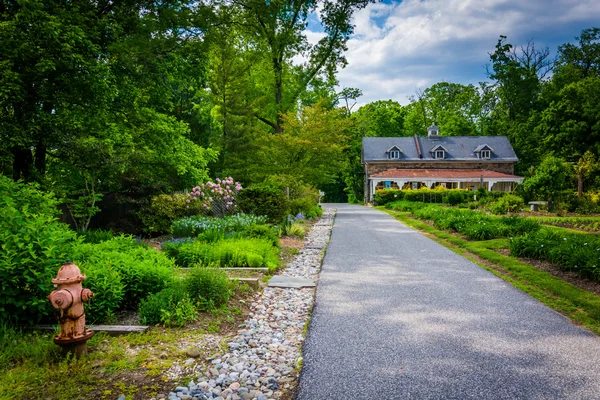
<point>22,162</point>
<point>579,183</point>
<point>40,157</point>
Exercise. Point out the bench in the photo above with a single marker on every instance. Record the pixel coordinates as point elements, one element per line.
<point>533,205</point>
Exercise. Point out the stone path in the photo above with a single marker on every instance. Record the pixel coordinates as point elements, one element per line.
<point>398,316</point>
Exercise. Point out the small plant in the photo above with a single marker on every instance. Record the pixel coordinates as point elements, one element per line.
<point>172,306</point>
<point>209,287</point>
<point>96,235</point>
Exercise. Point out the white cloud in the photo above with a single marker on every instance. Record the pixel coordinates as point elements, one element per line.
<point>399,47</point>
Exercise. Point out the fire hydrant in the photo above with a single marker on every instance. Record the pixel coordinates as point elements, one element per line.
<point>68,299</point>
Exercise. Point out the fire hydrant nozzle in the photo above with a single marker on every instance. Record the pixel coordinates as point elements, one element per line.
<point>69,298</point>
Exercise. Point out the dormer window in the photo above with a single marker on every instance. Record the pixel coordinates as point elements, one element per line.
<point>438,152</point>
<point>483,152</point>
<point>394,153</point>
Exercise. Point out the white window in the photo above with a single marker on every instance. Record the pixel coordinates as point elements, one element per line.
<point>439,154</point>
<point>394,154</point>
<point>486,154</point>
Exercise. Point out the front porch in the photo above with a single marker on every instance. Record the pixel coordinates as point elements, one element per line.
<point>450,179</point>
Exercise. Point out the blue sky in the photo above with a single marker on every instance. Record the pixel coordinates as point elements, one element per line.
<point>398,47</point>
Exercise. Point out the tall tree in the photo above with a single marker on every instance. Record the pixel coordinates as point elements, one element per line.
<point>278,28</point>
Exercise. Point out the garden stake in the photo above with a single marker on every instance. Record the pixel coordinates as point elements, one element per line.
<point>68,299</point>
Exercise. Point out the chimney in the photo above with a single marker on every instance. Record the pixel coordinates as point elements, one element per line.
<point>433,130</point>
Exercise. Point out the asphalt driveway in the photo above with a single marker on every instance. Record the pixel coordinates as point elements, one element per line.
<point>398,316</point>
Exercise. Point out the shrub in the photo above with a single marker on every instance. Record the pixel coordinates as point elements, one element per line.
<point>262,231</point>
<point>96,235</point>
<point>193,226</point>
<point>33,247</point>
<point>385,196</point>
<point>219,198</point>
<point>507,203</point>
<point>109,291</point>
<point>314,212</point>
<point>302,205</point>
<point>209,287</point>
<point>172,306</point>
<point>142,270</point>
<point>164,209</point>
<point>264,199</point>
<point>228,253</point>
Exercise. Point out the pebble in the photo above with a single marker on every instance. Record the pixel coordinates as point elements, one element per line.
<point>261,357</point>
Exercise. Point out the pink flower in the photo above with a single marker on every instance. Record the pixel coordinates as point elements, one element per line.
<point>188,200</point>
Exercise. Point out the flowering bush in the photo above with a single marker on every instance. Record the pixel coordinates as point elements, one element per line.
<point>219,197</point>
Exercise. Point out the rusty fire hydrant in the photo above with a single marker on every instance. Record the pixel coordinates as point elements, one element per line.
<point>68,299</point>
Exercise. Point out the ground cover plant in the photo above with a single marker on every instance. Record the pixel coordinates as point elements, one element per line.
<point>474,225</point>
<point>193,226</point>
<point>244,252</point>
<point>577,252</point>
<point>589,224</point>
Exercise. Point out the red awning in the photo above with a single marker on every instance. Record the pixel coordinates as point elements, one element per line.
<point>442,174</point>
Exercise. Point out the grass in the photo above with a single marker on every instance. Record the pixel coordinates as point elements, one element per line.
<point>581,306</point>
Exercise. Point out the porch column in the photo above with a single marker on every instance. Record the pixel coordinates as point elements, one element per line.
<point>373,184</point>
<point>490,184</point>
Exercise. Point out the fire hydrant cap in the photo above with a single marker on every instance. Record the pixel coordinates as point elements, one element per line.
<point>68,273</point>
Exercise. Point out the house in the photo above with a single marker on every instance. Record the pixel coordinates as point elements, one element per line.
<point>455,162</point>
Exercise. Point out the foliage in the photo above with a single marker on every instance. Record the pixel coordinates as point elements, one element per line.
<point>549,181</point>
<point>34,245</point>
<point>292,227</point>
<point>192,226</point>
<point>172,306</point>
<point>244,252</point>
<point>142,270</point>
<point>106,282</point>
<point>570,251</point>
<point>508,203</point>
<point>426,195</point>
<point>262,231</point>
<point>96,235</point>
<point>590,224</point>
<point>265,199</point>
<point>475,225</point>
<point>164,209</point>
<point>210,287</point>
<point>219,197</point>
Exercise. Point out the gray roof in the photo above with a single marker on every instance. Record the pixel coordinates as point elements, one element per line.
<point>458,148</point>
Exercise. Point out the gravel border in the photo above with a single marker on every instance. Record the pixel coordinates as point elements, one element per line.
<point>265,358</point>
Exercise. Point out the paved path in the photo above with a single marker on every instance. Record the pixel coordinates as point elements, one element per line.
<point>398,316</point>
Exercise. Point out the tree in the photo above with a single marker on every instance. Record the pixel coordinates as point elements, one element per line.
<point>455,108</point>
<point>549,180</point>
<point>310,149</point>
<point>278,30</point>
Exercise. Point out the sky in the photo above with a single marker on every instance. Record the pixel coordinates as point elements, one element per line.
<point>400,46</point>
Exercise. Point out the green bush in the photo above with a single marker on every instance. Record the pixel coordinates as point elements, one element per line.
<point>302,205</point>
<point>508,203</point>
<point>314,212</point>
<point>228,253</point>
<point>569,251</point>
<point>172,306</point>
<point>209,287</point>
<point>33,246</point>
<point>165,208</point>
<point>262,231</point>
<point>193,226</point>
<point>264,199</point>
<point>109,291</point>
<point>96,235</point>
<point>385,196</point>
<point>142,270</point>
